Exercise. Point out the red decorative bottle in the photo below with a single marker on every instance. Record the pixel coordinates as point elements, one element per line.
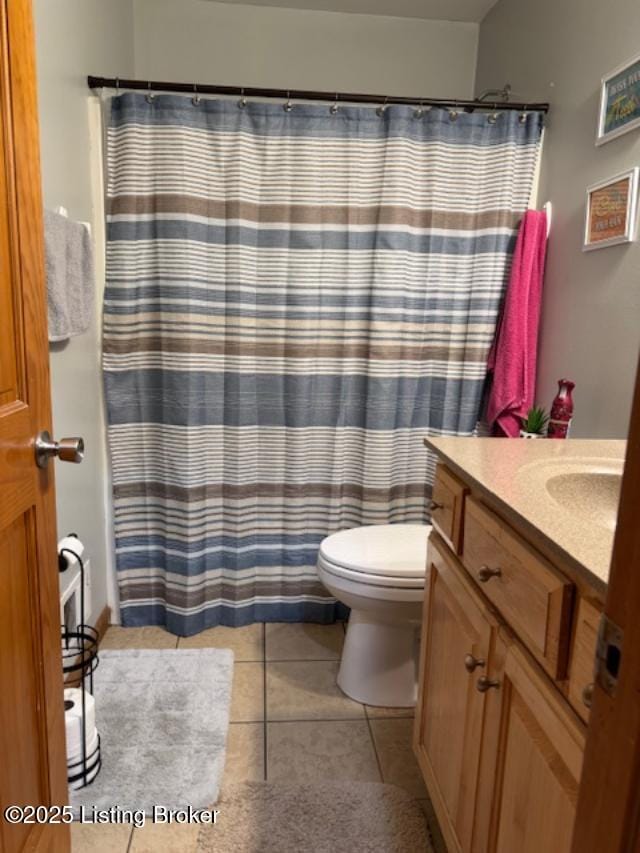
<point>561,410</point>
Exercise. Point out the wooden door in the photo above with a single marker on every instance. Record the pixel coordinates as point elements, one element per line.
<point>608,819</point>
<point>448,727</point>
<point>32,738</point>
<point>531,763</point>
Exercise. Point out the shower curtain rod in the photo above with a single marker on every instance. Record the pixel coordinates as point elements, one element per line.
<point>307,95</point>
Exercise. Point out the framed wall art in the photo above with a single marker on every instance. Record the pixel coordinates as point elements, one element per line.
<point>619,101</point>
<point>612,211</point>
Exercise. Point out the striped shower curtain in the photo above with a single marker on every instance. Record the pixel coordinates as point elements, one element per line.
<point>295,299</point>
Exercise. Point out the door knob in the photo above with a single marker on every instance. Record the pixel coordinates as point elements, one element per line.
<point>483,684</point>
<point>587,695</point>
<point>485,574</point>
<point>471,663</point>
<point>67,449</point>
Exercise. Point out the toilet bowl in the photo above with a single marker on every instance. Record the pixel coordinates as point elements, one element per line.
<point>378,571</point>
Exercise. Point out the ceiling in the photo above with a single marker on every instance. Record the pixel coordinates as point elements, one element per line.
<point>444,10</point>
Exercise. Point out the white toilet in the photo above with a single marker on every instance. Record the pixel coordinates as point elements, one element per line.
<point>378,572</point>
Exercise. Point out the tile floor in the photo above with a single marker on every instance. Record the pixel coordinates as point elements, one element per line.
<point>289,721</point>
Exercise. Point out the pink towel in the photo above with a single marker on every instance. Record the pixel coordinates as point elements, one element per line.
<point>513,356</point>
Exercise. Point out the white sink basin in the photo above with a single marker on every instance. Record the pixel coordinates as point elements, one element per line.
<point>592,494</point>
<point>585,489</point>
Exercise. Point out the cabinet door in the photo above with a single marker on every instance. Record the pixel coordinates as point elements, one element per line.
<point>448,727</point>
<point>447,508</point>
<point>532,758</point>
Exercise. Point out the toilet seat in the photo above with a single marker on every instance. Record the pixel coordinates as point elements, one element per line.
<point>360,576</point>
<point>389,554</point>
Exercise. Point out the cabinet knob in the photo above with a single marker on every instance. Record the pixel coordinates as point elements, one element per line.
<point>486,573</point>
<point>587,695</point>
<point>483,684</point>
<point>435,505</point>
<point>471,663</point>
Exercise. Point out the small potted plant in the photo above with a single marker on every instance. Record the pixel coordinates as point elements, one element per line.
<point>535,424</point>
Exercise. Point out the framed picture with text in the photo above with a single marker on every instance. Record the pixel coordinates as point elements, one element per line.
<point>612,211</point>
<point>619,101</point>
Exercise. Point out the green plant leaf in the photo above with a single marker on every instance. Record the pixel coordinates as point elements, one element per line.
<point>536,420</point>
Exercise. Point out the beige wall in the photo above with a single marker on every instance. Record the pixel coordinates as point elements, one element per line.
<point>74,38</point>
<point>557,50</point>
<point>202,41</point>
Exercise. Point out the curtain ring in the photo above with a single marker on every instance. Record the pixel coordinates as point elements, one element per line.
<point>117,86</point>
<point>288,106</point>
<point>196,97</point>
<point>149,96</point>
<point>242,103</point>
<point>493,117</point>
<point>333,109</point>
<point>381,110</point>
<point>522,118</point>
<point>453,113</point>
<point>419,111</point>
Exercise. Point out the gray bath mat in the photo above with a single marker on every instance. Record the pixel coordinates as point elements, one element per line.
<point>270,817</point>
<point>162,716</point>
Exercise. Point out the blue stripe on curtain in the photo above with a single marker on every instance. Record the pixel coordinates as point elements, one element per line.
<point>315,241</point>
<point>293,302</point>
<point>197,398</point>
<point>175,297</point>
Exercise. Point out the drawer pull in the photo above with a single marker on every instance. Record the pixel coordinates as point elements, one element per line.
<point>435,505</point>
<point>485,574</point>
<point>587,695</point>
<point>483,684</point>
<point>471,663</point>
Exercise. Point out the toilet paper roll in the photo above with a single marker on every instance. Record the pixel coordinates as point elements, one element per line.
<point>79,775</point>
<point>73,722</point>
<point>67,559</point>
<point>78,784</point>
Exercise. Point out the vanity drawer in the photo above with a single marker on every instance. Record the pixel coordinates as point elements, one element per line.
<point>447,506</point>
<point>583,656</point>
<point>532,596</point>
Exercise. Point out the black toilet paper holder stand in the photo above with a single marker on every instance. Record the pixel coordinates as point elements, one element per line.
<point>79,662</point>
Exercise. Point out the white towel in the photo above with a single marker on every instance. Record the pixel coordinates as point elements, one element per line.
<point>70,276</point>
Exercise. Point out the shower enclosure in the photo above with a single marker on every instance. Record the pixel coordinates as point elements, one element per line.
<point>297,294</point>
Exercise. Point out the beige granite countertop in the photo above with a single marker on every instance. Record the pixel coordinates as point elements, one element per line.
<point>512,474</point>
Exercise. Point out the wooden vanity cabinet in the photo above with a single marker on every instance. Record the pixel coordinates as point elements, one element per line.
<point>506,653</point>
